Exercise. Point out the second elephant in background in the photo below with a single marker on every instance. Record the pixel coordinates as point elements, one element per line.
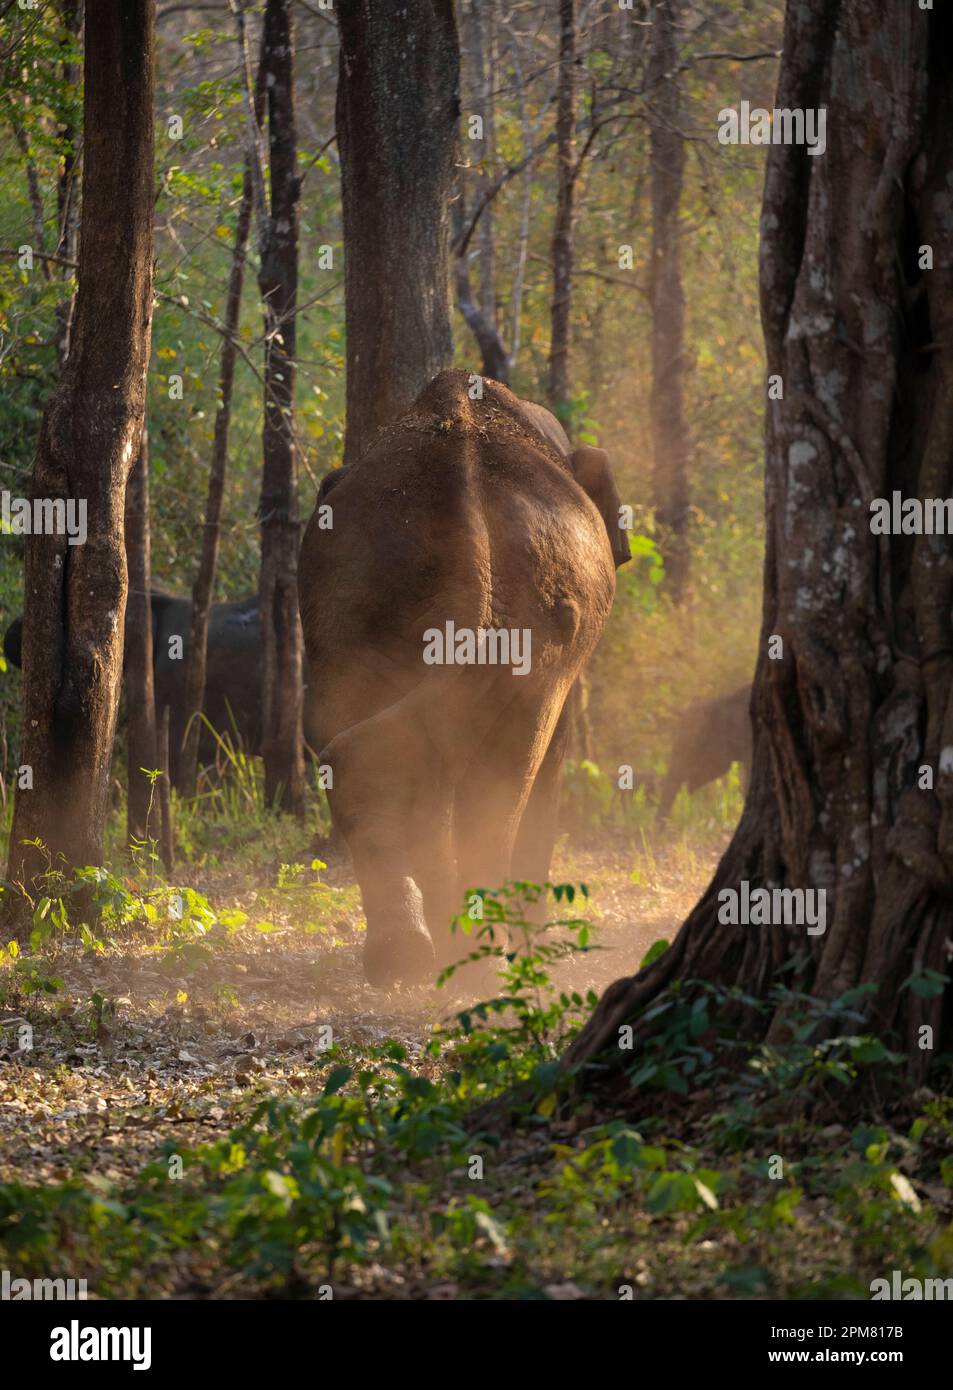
<point>711,735</point>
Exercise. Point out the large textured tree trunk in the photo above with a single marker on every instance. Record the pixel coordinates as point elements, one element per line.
<point>566,172</point>
<point>852,785</point>
<point>282,690</point>
<point>75,595</point>
<point>670,443</point>
<point>397,110</point>
<point>141,741</point>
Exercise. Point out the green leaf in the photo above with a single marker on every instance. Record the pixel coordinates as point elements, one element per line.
<point>626,1149</point>
<point>926,984</point>
<point>656,949</point>
<point>338,1077</point>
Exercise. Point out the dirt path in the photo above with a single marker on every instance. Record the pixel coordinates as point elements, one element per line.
<point>180,1042</point>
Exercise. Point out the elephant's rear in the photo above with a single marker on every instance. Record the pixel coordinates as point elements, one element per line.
<point>458,513</point>
<point>452,583</point>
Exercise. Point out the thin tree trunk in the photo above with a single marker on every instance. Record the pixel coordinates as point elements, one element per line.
<point>851,790</point>
<point>67,185</point>
<point>494,357</point>
<point>282,689</point>
<point>75,596</point>
<point>36,197</point>
<point>204,585</point>
<point>164,788</point>
<point>478,310</point>
<point>526,203</point>
<point>397,111</point>
<point>582,744</point>
<point>482,35</point>
<point>141,743</point>
<point>562,252</point>
<point>670,439</point>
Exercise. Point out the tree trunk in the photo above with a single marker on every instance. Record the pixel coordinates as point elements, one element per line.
<point>75,595</point>
<point>563,229</point>
<point>36,197</point>
<point>670,443</point>
<point>494,361</point>
<point>478,310</point>
<point>482,34</point>
<point>582,744</point>
<point>204,584</point>
<point>282,690</point>
<point>164,789</point>
<point>141,742</point>
<point>852,783</point>
<point>397,110</point>
<point>67,192</point>
<point>526,205</point>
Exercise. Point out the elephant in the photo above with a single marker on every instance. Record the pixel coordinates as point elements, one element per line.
<point>233,676</point>
<point>453,581</point>
<point>232,703</point>
<point>711,735</point>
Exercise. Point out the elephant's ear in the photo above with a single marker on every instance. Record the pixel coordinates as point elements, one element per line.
<point>329,481</point>
<point>590,467</point>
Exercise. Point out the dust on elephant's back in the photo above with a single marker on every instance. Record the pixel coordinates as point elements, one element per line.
<point>453,581</point>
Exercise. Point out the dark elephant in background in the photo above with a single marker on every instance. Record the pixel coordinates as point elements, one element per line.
<point>232,702</point>
<point>476,513</point>
<point>233,678</point>
<point>711,735</point>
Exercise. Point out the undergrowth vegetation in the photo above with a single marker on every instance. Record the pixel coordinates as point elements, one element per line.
<point>459,1168</point>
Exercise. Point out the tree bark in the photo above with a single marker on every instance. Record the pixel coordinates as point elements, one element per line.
<point>141,742</point>
<point>478,310</point>
<point>282,690</point>
<point>494,361</point>
<point>397,110</point>
<point>670,439</point>
<point>75,596</point>
<point>204,585</point>
<point>36,197</point>
<point>67,199</point>
<point>164,790</point>
<point>482,53</point>
<point>855,719</point>
<point>526,203</point>
<point>561,311</point>
<point>582,744</point>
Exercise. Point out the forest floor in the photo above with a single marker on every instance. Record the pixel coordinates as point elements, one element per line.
<point>181,1037</point>
<point>322,1128</point>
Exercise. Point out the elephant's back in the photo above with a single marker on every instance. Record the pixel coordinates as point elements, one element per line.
<point>460,511</point>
